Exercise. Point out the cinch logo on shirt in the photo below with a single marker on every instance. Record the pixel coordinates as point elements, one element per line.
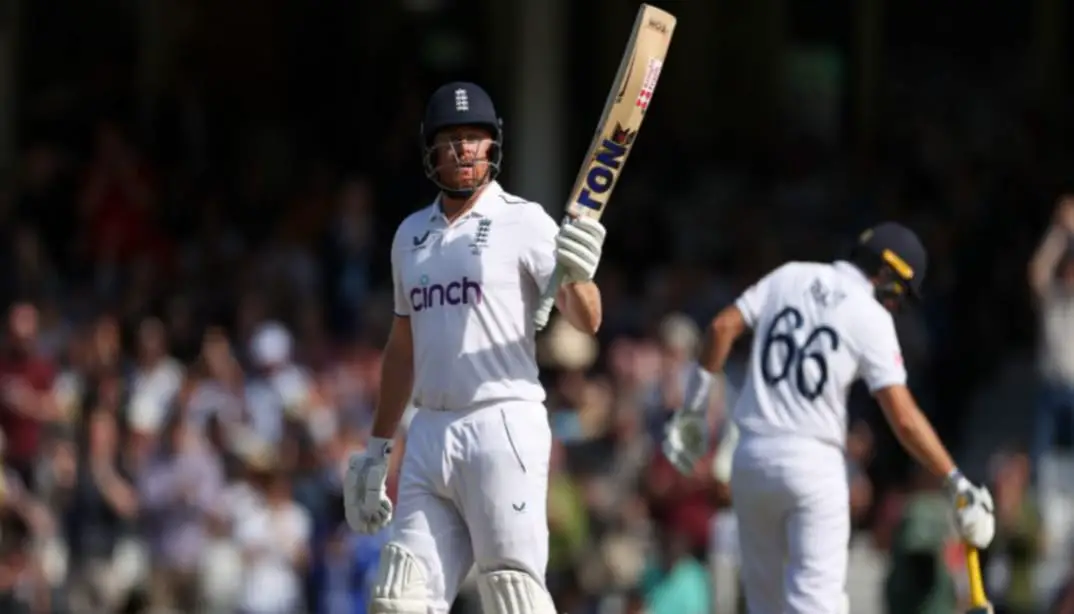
<point>463,292</point>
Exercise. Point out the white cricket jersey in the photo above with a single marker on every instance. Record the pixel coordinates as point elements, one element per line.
<point>817,328</point>
<point>470,289</point>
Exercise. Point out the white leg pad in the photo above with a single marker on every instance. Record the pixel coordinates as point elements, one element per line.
<point>844,607</point>
<point>400,587</point>
<point>513,592</point>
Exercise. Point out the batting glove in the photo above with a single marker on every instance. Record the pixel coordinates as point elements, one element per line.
<point>578,248</point>
<point>686,440</point>
<point>974,511</point>
<point>365,495</point>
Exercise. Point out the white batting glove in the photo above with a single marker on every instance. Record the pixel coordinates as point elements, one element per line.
<point>578,248</point>
<point>974,511</point>
<point>686,437</point>
<point>365,494</point>
<point>686,440</point>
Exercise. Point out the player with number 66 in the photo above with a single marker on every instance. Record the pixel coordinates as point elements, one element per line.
<point>818,328</point>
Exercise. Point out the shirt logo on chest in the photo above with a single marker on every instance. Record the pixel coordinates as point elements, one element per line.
<point>463,291</point>
<point>481,237</point>
<point>420,241</point>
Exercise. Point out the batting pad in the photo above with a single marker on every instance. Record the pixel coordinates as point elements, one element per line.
<point>400,587</point>
<point>513,592</point>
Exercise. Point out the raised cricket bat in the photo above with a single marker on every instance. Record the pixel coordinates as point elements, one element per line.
<point>627,103</point>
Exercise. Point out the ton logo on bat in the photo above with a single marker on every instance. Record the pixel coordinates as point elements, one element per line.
<point>604,170</point>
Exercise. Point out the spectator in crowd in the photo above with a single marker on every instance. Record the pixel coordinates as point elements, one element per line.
<point>348,251</point>
<point>568,523</point>
<point>675,582</point>
<point>179,486</point>
<point>107,557</point>
<point>678,338</point>
<point>25,523</point>
<point>274,539</point>
<point>1019,535</point>
<point>26,403</point>
<point>215,384</point>
<point>157,376</point>
<point>278,390</point>
<point>222,570</point>
<point>919,580</point>
<point>350,570</point>
<point>1051,278</point>
<point>116,204</point>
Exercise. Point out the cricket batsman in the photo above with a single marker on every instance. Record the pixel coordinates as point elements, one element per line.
<point>468,271</point>
<point>819,327</point>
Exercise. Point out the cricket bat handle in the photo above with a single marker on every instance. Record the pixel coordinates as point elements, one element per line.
<point>548,299</point>
<point>978,600</point>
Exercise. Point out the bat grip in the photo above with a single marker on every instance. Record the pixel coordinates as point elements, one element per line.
<point>973,572</point>
<point>548,299</point>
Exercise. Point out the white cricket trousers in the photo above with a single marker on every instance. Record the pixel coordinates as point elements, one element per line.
<point>792,501</point>
<point>473,490</point>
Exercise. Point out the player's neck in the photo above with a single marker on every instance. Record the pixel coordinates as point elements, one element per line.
<point>454,208</point>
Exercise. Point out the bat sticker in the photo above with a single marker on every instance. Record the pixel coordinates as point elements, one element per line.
<point>652,74</point>
<point>604,168</point>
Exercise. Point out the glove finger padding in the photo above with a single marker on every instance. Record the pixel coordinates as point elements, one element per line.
<point>581,236</point>
<point>576,252</point>
<point>376,519</point>
<point>571,235</point>
<point>578,241</point>
<point>587,226</point>
<point>578,247</point>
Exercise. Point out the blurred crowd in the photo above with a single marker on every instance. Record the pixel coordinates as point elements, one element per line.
<point>177,402</point>
<point>191,351</point>
<point>179,389</point>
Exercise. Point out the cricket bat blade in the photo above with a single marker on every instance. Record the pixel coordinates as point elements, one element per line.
<point>623,113</point>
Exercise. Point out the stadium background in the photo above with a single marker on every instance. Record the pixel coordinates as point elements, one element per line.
<point>191,186</point>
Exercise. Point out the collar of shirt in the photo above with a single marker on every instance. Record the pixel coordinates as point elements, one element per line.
<point>852,271</point>
<point>482,207</point>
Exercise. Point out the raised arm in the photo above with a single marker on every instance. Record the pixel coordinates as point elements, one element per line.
<point>1052,246</point>
<point>576,245</point>
<point>580,303</point>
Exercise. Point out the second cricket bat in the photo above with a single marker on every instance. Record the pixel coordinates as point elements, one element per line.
<point>624,111</point>
<point>978,600</point>
<point>979,603</point>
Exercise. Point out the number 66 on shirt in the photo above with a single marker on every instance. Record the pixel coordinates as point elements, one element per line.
<point>808,363</point>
